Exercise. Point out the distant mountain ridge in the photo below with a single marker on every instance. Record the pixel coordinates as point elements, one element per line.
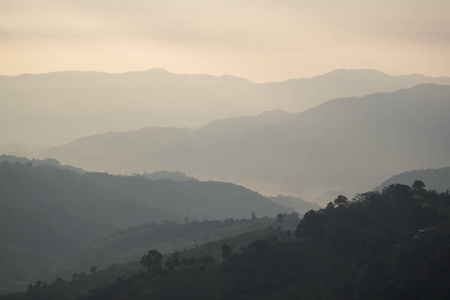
<point>343,144</point>
<point>298,204</point>
<point>63,106</point>
<point>175,176</point>
<point>38,162</point>
<point>434,179</point>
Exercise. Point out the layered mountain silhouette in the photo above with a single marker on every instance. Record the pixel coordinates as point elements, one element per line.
<point>343,144</point>
<point>55,108</point>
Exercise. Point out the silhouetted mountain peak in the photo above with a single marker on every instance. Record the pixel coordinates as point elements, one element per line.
<point>274,113</point>
<point>157,71</point>
<point>355,71</point>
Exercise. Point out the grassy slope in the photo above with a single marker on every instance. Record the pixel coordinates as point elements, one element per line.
<point>133,243</point>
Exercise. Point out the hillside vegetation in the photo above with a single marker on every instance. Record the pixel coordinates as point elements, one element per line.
<point>55,221</point>
<point>131,244</point>
<point>389,245</point>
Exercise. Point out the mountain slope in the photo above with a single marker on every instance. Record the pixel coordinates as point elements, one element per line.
<point>38,162</point>
<point>175,176</point>
<point>55,108</point>
<point>48,213</point>
<point>344,144</point>
<point>131,244</point>
<point>298,204</point>
<point>389,245</point>
<point>157,142</point>
<point>57,211</point>
<point>194,199</point>
<point>434,179</point>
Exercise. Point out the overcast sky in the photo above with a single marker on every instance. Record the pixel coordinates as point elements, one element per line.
<point>261,40</point>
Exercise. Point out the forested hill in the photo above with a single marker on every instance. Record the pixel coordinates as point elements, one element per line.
<point>389,245</point>
<point>44,206</point>
<point>123,201</point>
<point>194,199</point>
<point>162,190</point>
<point>38,162</point>
<point>48,213</point>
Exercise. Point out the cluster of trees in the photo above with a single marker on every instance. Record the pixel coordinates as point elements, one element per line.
<point>152,261</point>
<point>373,220</point>
<point>262,268</point>
<point>389,241</point>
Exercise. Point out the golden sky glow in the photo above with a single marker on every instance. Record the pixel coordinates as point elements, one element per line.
<point>261,40</point>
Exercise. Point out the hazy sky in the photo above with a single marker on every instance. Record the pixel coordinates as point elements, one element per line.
<point>261,40</point>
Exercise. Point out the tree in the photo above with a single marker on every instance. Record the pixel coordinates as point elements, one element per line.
<point>372,197</point>
<point>418,185</point>
<point>311,226</point>
<point>397,190</point>
<point>169,266</point>
<point>152,261</point>
<point>341,201</point>
<point>273,239</point>
<point>226,251</point>
<point>206,259</point>
<point>280,218</point>
<point>400,193</point>
<point>176,258</point>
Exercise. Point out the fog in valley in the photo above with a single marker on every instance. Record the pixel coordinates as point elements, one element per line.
<point>224,150</point>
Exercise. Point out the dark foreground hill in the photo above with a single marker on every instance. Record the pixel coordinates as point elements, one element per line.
<point>48,213</point>
<point>389,245</point>
<point>130,244</point>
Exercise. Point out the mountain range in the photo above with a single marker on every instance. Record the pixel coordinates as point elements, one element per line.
<point>344,144</point>
<point>45,110</point>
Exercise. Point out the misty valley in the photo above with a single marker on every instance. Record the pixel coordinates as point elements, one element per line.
<point>155,185</point>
